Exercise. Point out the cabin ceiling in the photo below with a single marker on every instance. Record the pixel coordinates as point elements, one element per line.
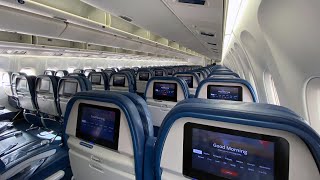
<point>180,22</point>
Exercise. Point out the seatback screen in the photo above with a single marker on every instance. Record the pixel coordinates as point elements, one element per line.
<point>22,85</point>
<point>158,73</point>
<point>143,76</point>
<point>44,85</point>
<point>218,153</point>
<point>99,125</point>
<point>96,79</point>
<point>188,79</point>
<point>170,72</point>
<point>165,91</point>
<point>119,81</point>
<point>232,93</point>
<point>70,88</point>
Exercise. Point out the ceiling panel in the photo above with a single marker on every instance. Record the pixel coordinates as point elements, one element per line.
<point>179,22</point>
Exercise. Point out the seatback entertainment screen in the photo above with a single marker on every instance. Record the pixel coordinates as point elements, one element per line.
<point>44,85</point>
<point>218,153</point>
<point>70,88</point>
<point>165,91</point>
<point>232,93</point>
<point>188,79</point>
<point>143,76</point>
<point>170,72</point>
<point>119,81</point>
<point>158,73</point>
<point>98,125</point>
<point>96,79</point>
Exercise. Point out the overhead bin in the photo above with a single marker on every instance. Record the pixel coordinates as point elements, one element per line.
<point>80,33</point>
<point>28,23</point>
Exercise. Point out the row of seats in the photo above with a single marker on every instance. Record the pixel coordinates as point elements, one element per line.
<point>109,136</point>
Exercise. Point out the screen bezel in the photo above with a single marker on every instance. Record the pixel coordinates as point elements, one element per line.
<point>96,140</point>
<point>96,75</point>
<point>40,85</point>
<point>122,85</point>
<point>64,86</point>
<point>140,79</point>
<point>182,76</point>
<point>165,98</point>
<point>281,152</point>
<point>240,92</point>
<point>155,73</point>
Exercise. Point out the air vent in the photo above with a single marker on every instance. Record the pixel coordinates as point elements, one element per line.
<point>197,2</point>
<point>207,34</point>
<point>213,44</point>
<point>126,18</point>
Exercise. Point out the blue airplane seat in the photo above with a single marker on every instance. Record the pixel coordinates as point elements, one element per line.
<point>99,81</point>
<point>49,72</point>
<point>118,153</point>
<point>142,78</point>
<point>191,78</point>
<point>162,94</point>
<point>225,139</point>
<point>67,87</point>
<point>224,73</point>
<point>159,72</point>
<point>121,82</point>
<point>234,89</point>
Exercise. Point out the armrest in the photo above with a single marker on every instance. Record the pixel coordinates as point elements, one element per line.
<point>56,176</point>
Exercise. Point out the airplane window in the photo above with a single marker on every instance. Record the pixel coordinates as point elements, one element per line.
<point>29,71</point>
<point>271,91</point>
<point>313,102</point>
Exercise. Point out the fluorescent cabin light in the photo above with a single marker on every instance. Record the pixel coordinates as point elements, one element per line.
<point>232,13</point>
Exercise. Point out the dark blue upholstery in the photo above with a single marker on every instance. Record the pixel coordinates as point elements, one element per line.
<point>143,111</point>
<point>250,114</point>
<point>224,73</point>
<point>132,116</point>
<point>228,80</point>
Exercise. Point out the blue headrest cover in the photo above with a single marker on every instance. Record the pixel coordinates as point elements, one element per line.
<point>228,80</point>
<point>143,111</point>
<point>191,73</point>
<point>224,73</point>
<point>250,114</point>
<point>132,116</point>
<point>182,83</point>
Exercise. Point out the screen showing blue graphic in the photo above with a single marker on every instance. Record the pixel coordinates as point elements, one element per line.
<point>165,91</point>
<point>188,79</point>
<point>143,76</point>
<point>231,156</point>
<point>233,93</point>
<point>119,81</point>
<point>158,73</point>
<point>98,123</point>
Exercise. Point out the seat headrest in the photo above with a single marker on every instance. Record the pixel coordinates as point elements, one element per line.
<point>49,72</point>
<point>47,84</point>
<point>224,73</point>
<point>78,71</point>
<point>182,87</point>
<point>195,76</point>
<point>237,89</point>
<point>121,80</point>
<point>25,83</point>
<point>160,72</point>
<point>76,74</point>
<point>129,115</point>
<point>74,84</point>
<point>98,78</point>
<point>242,120</point>
<point>61,73</point>
<point>144,75</point>
<point>87,71</point>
